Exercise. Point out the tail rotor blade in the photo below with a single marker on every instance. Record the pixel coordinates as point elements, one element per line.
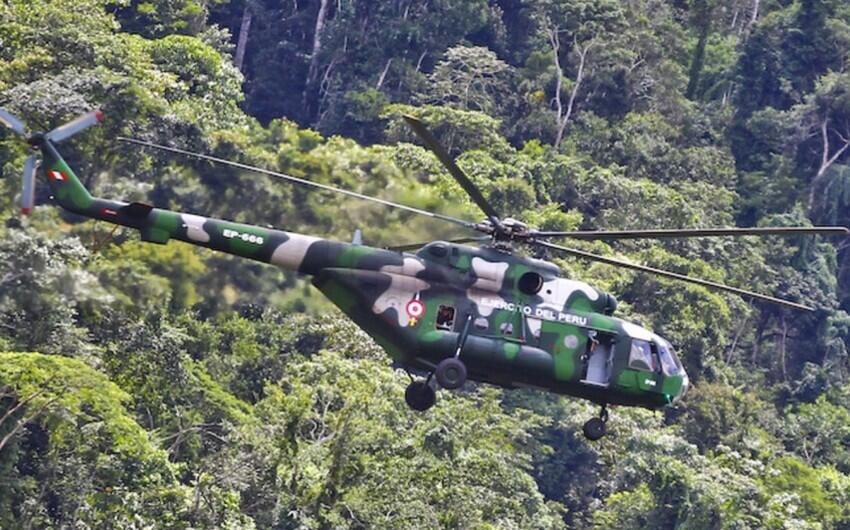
<point>28,193</point>
<point>73,127</point>
<point>12,122</point>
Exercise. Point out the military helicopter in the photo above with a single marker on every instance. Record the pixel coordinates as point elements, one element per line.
<point>449,312</point>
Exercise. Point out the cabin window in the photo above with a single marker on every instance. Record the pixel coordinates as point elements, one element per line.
<point>507,328</point>
<point>641,358</point>
<point>445,317</point>
<point>668,361</point>
<point>481,324</point>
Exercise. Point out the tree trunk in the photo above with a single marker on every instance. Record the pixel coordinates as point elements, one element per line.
<point>564,115</point>
<point>727,93</point>
<point>313,72</point>
<point>697,61</point>
<point>734,344</point>
<point>419,62</point>
<point>763,321</point>
<point>754,15</point>
<point>383,75</point>
<point>782,348</point>
<point>244,30</point>
<point>23,421</point>
<point>555,42</point>
<point>826,160</point>
<point>310,84</point>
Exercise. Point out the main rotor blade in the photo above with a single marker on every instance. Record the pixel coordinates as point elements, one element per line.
<point>63,132</point>
<point>676,276</point>
<point>12,122</point>
<point>28,190</point>
<point>437,148</point>
<point>414,246</point>
<point>696,232</point>
<point>297,180</point>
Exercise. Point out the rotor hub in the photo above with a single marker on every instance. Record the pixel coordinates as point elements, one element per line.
<point>509,229</point>
<point>508,232</point>
<point>35,140</point>
<point>515,229</point>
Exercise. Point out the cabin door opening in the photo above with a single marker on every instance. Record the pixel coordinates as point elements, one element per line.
<point>599,346</point>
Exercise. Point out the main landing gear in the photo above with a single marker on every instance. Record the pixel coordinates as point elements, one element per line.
<point>594,428</point>
<point>450,374</point>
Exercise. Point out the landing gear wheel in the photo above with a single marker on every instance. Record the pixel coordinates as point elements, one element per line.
<point>594,429</point>
<point>450,373</point>
<point>420,396</point>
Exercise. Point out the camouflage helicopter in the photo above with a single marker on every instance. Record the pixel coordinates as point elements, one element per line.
<point>449,312</point>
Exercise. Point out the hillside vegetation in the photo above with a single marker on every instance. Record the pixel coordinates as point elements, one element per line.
<point>148,386</point>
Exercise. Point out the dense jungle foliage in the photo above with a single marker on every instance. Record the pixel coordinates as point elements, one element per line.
<point>169,387</point>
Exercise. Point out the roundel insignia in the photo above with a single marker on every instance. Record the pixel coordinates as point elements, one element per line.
<point>415,308</point>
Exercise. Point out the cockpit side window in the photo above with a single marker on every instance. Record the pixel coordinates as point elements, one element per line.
<point>640,358</point>
<point>669,363</point>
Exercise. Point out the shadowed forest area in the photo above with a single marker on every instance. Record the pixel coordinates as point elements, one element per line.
<point>147,386</point>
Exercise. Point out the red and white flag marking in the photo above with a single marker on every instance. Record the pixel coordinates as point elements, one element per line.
<point>415,308</point>
<point>57,175</point>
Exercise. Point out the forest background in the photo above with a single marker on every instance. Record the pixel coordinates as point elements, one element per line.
<point>170,387</point>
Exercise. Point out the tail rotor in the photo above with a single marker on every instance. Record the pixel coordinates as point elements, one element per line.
<point>63,132</point>
<point>12,122</point>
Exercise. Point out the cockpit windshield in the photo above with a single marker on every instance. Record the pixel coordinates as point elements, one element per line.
<point>669,362</point>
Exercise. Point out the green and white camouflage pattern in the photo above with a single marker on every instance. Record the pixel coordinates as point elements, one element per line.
<point>542,337</point>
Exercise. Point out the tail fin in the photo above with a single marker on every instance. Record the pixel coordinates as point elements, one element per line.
<point>66,187</point>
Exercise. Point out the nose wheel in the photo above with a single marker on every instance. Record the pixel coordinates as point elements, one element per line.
<point>594,428</point>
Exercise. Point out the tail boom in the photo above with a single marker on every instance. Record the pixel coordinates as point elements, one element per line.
<point>297,252</point>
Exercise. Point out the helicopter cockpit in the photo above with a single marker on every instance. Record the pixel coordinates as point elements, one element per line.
<point>654,355</point>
